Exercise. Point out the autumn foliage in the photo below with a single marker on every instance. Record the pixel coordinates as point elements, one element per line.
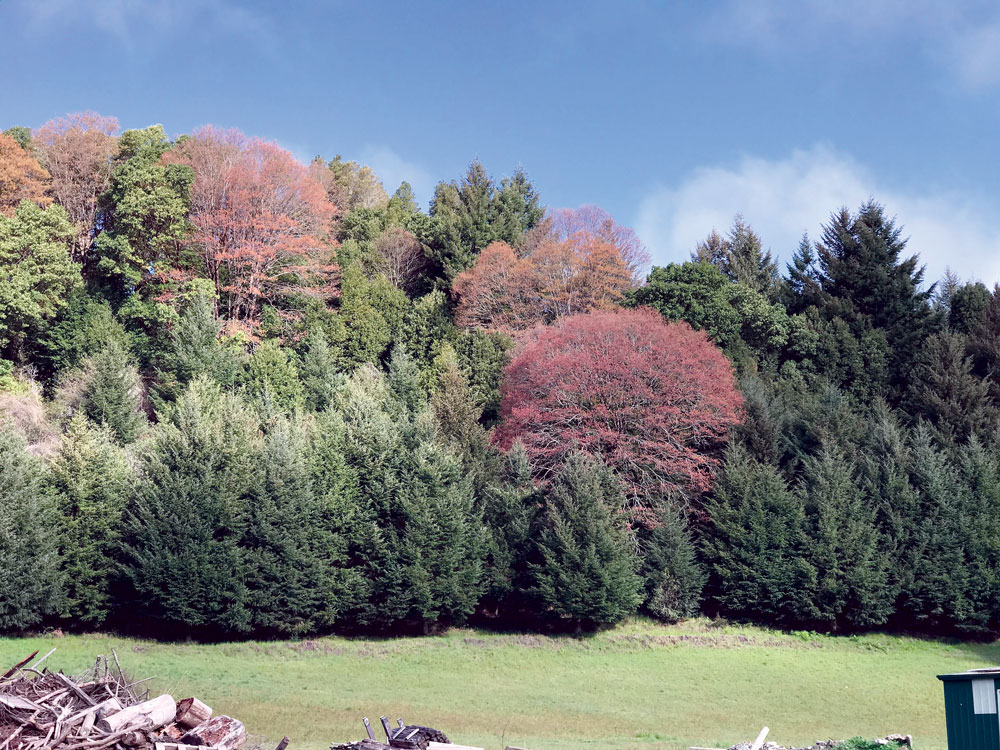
<point>654,399</point>
<point>21,177</point>
<point>78,151</point>
<point>260,220</point>
<point>574,262</point>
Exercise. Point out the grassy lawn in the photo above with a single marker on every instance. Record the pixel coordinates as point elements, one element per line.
<point>639,686</point>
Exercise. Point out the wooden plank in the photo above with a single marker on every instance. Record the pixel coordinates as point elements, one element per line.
<point>760,739</point>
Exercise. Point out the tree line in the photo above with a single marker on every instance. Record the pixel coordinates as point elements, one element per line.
<point>243,395</point>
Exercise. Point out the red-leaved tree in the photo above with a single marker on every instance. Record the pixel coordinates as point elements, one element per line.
<point>654,399</point>
<point>261,222</point>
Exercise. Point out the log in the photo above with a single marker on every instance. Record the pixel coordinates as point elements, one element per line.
<point>224,732</point>
<point>152,714</point>
<point>191,712</point>
<point>283,744</point>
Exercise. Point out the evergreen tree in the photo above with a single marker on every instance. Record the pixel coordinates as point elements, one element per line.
<point>934,570</point>
<point>742,258</point>
<point>470,214</point>
<point>189,513</point>
<point>586,571</point>
<point>509,509</point>
<point>674,579</point>
<point>980,535</point>
<point>866,281</point>
<point>91,478</point>
<point>851,586</point>
<point>945,392</point>
<point>31,584</point>
<point>417,541</point>
<point>290,552</point>
<point>405,381</point>
<point>272,379</point>
<point>194,350</point>
<point>318,372</point>
<point>113,394</point>
<point>755,543</point>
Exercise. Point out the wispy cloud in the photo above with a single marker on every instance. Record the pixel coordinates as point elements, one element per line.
<point>393,169</point>
<point>134,22</point>
<point>963,37</point>
<point>783,198</point>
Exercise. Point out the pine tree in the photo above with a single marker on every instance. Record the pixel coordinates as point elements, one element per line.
<point>31,584</point>
<point>91,478</point>
<point>755,542</point>
<point>674,579</point>
<point>113,394</point>
<point>586,572</point>
<point>189,513</point>
<point>318,372</point>
<point>851,587</point>
<point>290,552</point>
<point>944,390</point>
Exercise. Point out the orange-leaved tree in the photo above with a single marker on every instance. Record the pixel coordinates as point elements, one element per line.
<point>22,178</point>
<point>564,267</point>
<point>261,223</point>
<point>654,399</point>
<point>78,151</point>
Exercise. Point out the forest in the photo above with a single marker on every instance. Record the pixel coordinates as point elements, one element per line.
<point>240,395</point>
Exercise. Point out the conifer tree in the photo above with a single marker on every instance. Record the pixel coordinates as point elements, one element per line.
<point>92,479</point>
<point>509,509</point>
<point>945,392</point>
<point>31,584</point>
<point>674,580</point>
<point>290,553</point>
<point>851,569</point>
<point>113,393</point>
<point>755,543</point>
<point>586,572</point>
<point>188,515</point>
<point>318,372</point>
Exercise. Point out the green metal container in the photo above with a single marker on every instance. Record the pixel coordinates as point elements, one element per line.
<point>970,706</point>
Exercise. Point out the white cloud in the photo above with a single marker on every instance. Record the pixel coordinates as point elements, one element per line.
<point>783,198</point>
<point>963,37</point>
<point>392,169</point>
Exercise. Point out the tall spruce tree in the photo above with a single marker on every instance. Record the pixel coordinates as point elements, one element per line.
<point>92,479</point>
<point>755,543</point>
<point>113,393</point>
<point>867,281</point>
<point>31,586</point>
<point>586,572</point>
<point>851,586</point>
<point>189,513</point>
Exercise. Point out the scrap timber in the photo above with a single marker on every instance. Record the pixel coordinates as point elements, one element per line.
<point>103,710</point>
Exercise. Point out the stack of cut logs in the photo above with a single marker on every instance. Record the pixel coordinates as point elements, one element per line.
<point>103,709</point>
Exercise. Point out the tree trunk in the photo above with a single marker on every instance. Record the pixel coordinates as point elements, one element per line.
<point>191,712</point>
<point>152,714</point>
<point>223,732</point>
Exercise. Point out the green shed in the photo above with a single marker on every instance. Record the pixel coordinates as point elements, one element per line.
<point>970,707</point>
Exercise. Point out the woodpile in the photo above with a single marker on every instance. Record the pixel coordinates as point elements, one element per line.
<point>103,710</point>
<point>402,737</point>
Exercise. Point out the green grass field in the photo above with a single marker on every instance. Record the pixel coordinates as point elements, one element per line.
<point>641,685</point>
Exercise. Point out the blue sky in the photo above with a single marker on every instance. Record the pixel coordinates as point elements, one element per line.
<point>673,116</point>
